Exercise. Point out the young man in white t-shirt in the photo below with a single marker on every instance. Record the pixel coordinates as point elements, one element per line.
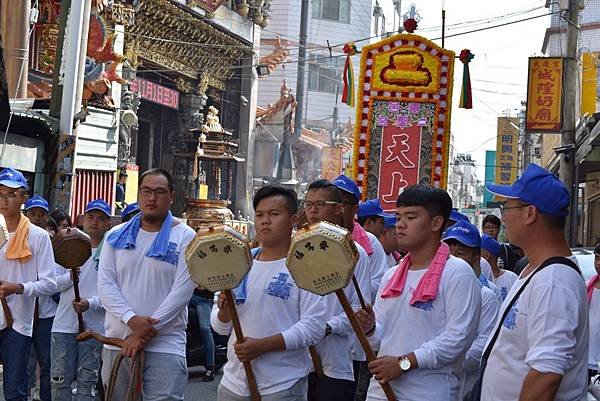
<point>24,275</point>
<point>503,279</point>
<point>465,242</point>
<point>542,348</point>
<point>389,242</point>
<point>280,321</point>
<point>365,231</point>
<point>72,360</point>
<point>324,202</point>
<point>37,211</point>
<point>145,287</point>
<point>423,328</point>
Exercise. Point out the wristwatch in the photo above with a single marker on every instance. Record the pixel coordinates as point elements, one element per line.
<point>20,289</point>
<point>404,363</point>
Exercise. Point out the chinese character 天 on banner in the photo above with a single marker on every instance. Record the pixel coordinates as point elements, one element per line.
<point>544,94</point>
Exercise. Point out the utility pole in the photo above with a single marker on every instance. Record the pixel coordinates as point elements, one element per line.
<point>570,113</point>
<point>56,98</point>
<point>300,89</point>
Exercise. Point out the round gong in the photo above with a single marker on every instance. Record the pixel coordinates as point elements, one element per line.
<point>322,257</point>
<point>72,247</point>
<point>218,258</point>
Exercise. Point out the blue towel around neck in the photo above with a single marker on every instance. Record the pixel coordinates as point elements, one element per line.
<point>126,236</point>
<point>241,291</point>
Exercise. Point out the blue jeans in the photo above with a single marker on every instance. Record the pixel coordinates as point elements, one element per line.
<point>203,307</point>
<point>74,361</point>
<point>40,354</point>
<point>14,348</point>
<point>164,377</point>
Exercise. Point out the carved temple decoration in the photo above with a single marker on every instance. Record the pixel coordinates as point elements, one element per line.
<point>286,99</point>
<point>279,55</point>
<point>258,11</point>
<point>172,37</point>
<point>47,28</point>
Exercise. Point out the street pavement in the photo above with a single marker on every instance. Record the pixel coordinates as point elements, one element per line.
<point>197,390</point>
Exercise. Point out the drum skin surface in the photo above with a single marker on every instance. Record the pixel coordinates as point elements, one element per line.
<point>218,258</point>
<point>72,247</point>
<point>322,258</point>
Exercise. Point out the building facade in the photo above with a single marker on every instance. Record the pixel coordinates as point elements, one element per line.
<point>587,153</point>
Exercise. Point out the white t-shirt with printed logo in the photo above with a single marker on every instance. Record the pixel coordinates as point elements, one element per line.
<point>274,304</point>
<point>505,282</point>
<point>546,330</point>
<point>131,283</point>
<point>66,318</point>
<point>439,332</point>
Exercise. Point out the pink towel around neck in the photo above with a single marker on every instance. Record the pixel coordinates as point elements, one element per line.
<point>359,235</point>
<point>397,256</point>
<point>428,286</point>
<point>590,287</point>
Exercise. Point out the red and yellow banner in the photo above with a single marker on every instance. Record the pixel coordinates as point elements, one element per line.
<point>544,94</point>
<point>331,163</point>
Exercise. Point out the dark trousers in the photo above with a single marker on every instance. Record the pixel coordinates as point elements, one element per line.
<point>362,378</point>
<point>329,389</point>
<point>40,344</point>
<point>14,348</point>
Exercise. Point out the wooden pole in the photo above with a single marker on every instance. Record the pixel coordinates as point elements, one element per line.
<point>7,314</point>
<point>77,298</point>
<point>316,359</point>
<point>362,338</point>
<point>361,299</point>
<point>237,328</point>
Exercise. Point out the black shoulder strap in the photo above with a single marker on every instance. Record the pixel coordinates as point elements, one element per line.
<point>553,260</point>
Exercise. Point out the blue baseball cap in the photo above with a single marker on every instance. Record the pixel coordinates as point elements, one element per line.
<point>465,233</point>
<point>491,245</point>
<point>457,216</point>
<point>132,208</point>
<point>347,185</point>
<point>538,187</point>
<point>98,204</point>
<point>372,207</point>
<point>37,201</point>
<point>389,221</point>
<point>13,179</point>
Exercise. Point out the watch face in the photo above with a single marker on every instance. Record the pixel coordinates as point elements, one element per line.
<point>405,364</point>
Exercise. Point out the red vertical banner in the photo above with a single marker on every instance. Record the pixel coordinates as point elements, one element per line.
<point>398,163</point>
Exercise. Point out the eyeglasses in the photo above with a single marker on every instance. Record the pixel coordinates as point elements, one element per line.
<point>504,208</point>
<point>317,204</point>
<point>158,192</point>
<point>9,197</point>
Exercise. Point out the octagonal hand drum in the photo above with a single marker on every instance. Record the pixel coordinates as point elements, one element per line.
<point>322,257</point>
<point>72,248</point>
<point>218,258</point>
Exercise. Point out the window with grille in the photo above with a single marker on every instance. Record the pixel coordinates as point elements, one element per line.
<point>333,10</point>
<point>323,73</point>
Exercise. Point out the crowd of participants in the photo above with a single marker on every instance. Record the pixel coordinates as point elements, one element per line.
<point>452,312</point>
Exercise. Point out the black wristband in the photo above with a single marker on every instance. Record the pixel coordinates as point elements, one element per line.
<point>372,330</point>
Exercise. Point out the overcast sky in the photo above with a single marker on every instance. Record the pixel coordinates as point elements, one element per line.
<point>499,70</point>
